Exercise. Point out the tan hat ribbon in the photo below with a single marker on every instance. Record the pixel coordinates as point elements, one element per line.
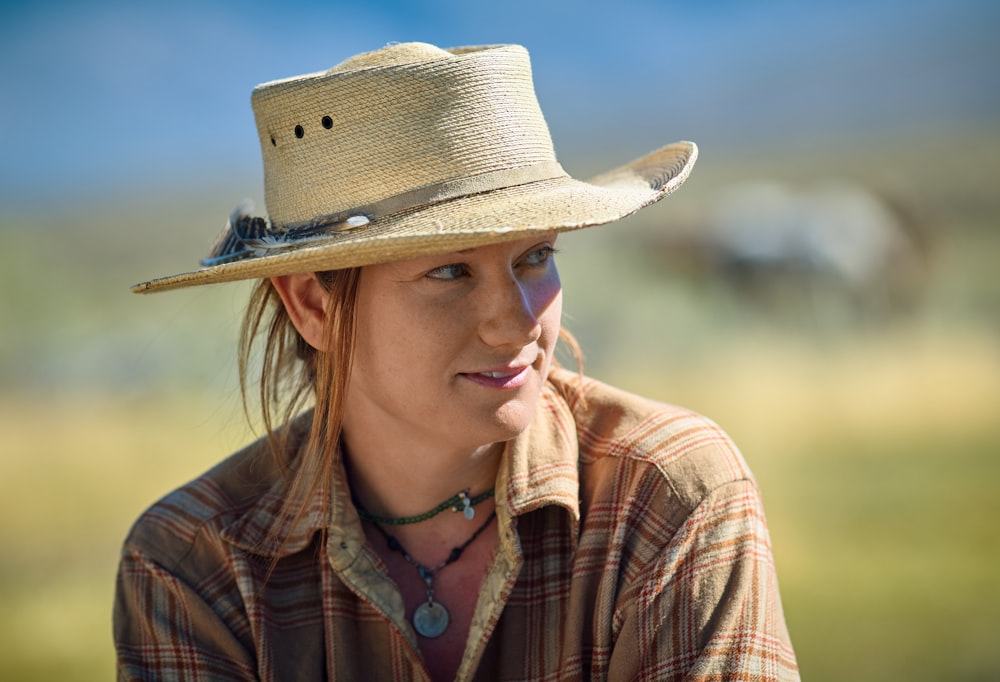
<point>248,236</point>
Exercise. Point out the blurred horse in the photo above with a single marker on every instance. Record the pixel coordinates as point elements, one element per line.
<point>837,251</point>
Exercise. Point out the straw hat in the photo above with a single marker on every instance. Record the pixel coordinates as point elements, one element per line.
<point>412,150</point>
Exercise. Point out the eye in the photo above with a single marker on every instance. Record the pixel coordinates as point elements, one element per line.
<point>450,271</point>
<point>539,256</point>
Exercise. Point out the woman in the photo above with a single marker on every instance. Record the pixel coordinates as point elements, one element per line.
<point>454,505</point>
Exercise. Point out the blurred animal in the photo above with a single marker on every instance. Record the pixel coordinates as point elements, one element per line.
<point>836,250</point>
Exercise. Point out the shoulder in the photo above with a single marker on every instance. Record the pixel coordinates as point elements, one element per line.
<point>199,511</point>
<point>673,547</point>
<point>631,442</point>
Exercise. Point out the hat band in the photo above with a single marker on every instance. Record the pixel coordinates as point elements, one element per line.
<point>249,237</point>
<point>436,193</point>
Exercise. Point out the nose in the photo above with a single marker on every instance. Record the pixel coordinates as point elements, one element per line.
<point>509,318</point>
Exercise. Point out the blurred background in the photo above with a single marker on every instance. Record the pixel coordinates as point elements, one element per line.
<point>826,286</point>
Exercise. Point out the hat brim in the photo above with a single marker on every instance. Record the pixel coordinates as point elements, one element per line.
<point>556,205</point>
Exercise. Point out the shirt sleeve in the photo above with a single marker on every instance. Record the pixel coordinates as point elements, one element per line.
<point>708,607</point>
<point>164,629</point>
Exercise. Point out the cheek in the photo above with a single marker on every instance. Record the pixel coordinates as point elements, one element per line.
<point>406,343</point>
<point>545,296</point>
<point>549,315</point>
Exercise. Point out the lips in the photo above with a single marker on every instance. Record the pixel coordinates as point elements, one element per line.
<point>504,379</point>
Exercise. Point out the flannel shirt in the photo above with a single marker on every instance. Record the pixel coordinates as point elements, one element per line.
<point>633,546</point>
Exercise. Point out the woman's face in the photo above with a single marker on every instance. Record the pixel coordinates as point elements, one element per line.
<point>452,350</point>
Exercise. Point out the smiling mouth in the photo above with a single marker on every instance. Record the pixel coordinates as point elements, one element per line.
<point>503,379</point>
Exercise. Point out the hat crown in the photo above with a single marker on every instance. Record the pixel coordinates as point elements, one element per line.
<point>394,120</point>
<point>397,54</point>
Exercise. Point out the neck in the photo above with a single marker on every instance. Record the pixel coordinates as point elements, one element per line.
<point>402,484</point>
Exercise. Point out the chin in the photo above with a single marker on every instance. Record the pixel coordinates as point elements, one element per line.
<point>513,417</point>
<point>506,420</point>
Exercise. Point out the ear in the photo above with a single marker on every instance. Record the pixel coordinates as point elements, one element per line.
<point>305,300</point>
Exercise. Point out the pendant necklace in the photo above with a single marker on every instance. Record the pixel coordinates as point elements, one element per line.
<point>431,618</point>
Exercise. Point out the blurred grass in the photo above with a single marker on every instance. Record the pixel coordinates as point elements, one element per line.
<point>877,447</point>
<point>76,470</point>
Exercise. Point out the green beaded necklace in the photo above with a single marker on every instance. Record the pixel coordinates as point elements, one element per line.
<point>460,502</point>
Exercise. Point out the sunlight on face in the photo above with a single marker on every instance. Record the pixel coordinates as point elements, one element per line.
<point>453,350</point>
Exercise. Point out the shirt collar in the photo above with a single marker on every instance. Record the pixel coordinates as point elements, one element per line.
<point>541,466</point>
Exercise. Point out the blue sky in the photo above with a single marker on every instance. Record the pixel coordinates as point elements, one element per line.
<point>103,95</point>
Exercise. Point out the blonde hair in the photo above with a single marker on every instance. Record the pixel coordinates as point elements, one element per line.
<point>292,373</point>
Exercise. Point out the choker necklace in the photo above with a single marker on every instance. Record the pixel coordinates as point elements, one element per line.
<point>460,502</point>
<point>431,618</point>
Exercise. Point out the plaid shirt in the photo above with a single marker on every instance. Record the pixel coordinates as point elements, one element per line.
<point>633,546</point>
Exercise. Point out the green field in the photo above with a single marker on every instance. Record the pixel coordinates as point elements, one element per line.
<point>877,445</point>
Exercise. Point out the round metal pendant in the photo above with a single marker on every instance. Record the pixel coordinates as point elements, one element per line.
<point>430,619</point>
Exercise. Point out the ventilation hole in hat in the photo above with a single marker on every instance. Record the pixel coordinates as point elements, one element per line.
<point>299,132</point>
<point>327,122</point>
<point>274,143</point>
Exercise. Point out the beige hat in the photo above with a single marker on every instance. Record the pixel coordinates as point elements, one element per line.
<point>412,150</point>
